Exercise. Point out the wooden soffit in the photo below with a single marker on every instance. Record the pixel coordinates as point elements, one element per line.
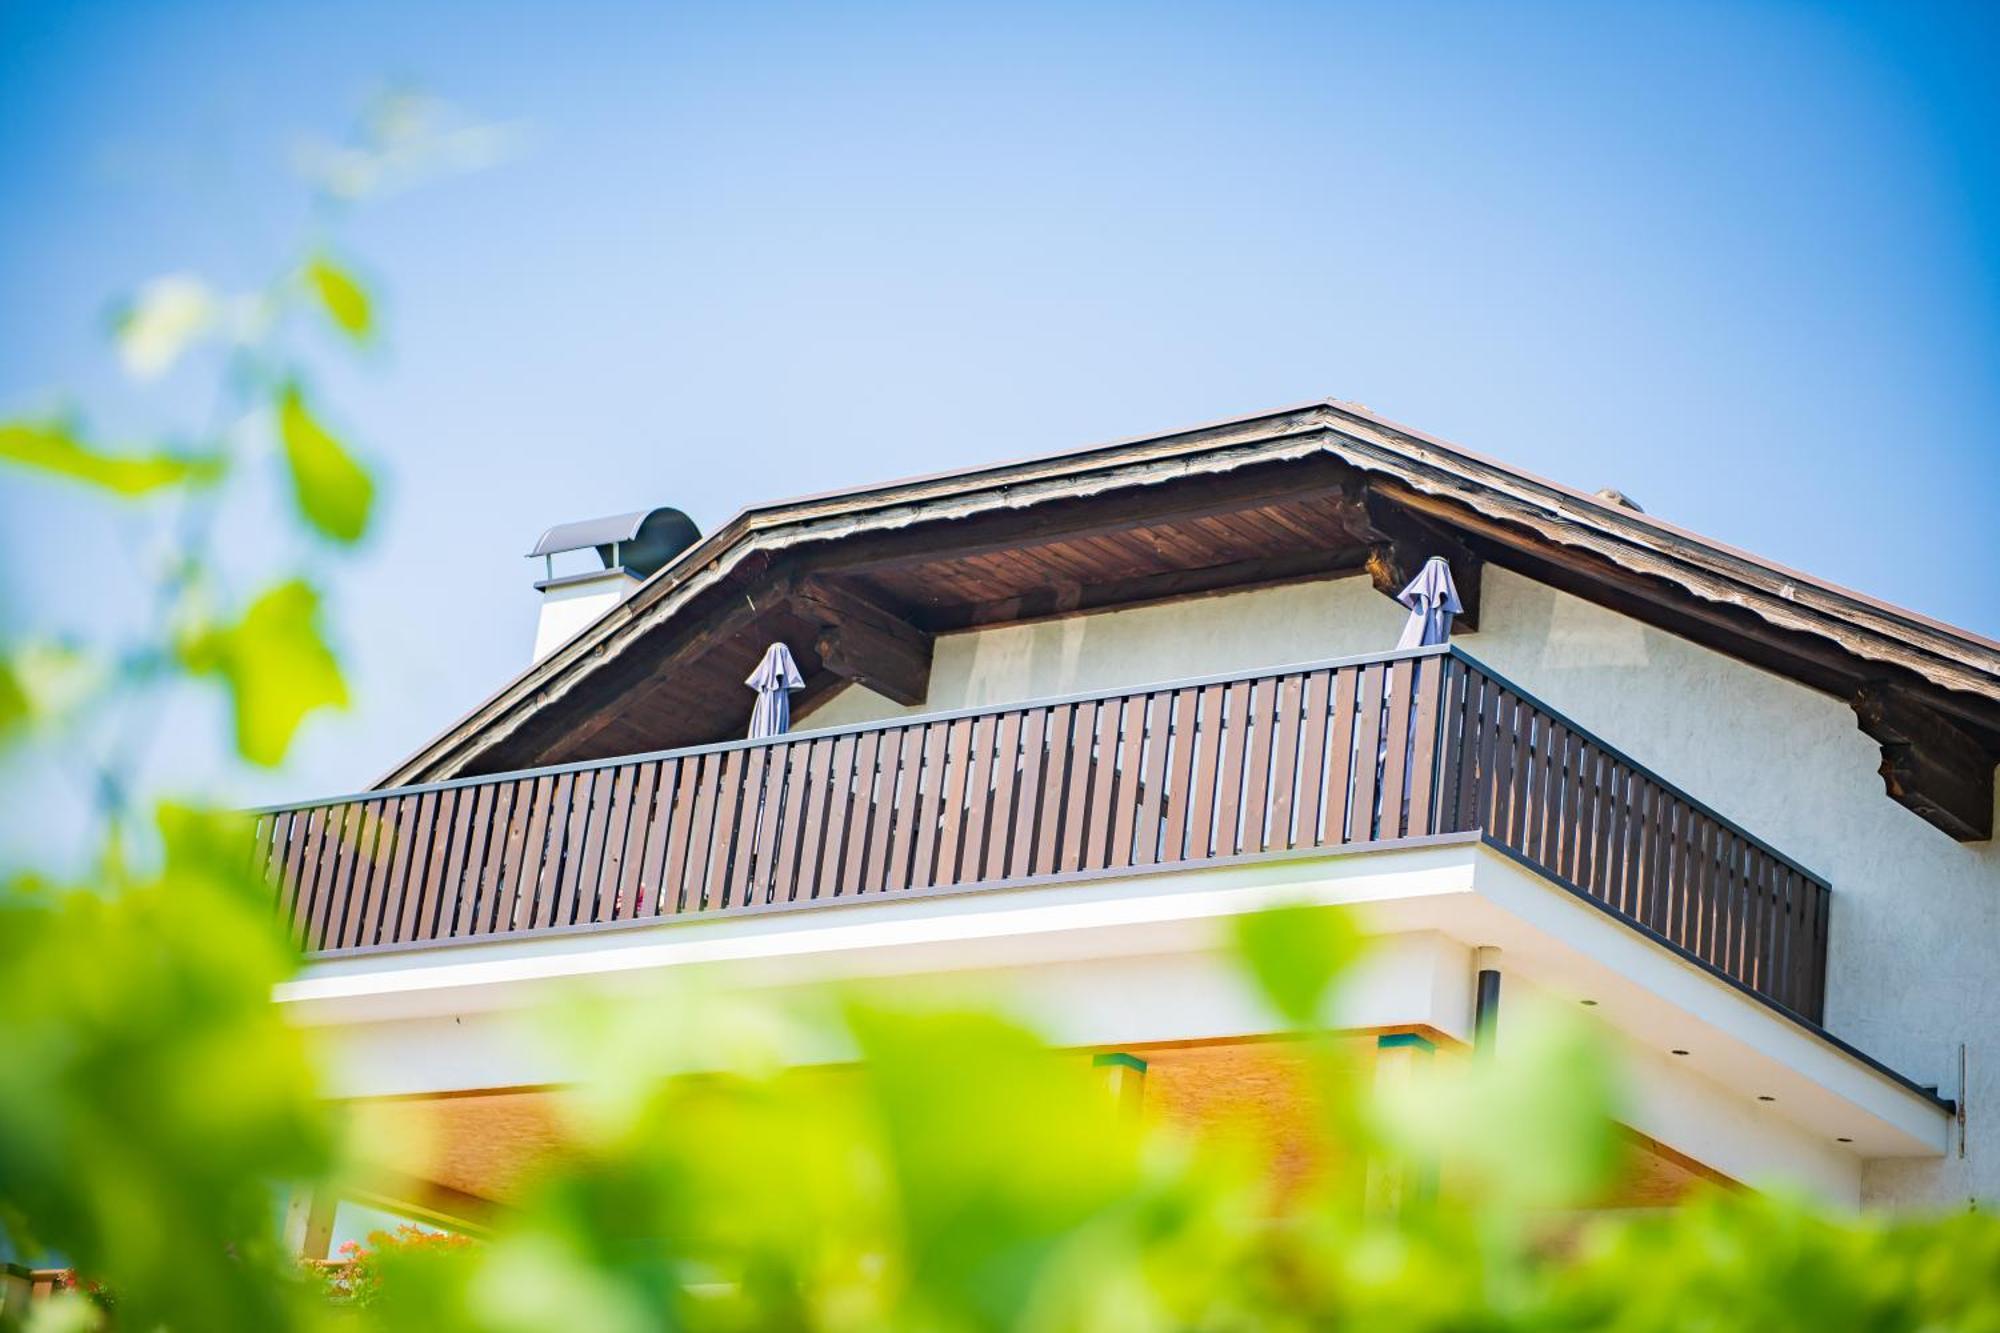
<point>858,582</point>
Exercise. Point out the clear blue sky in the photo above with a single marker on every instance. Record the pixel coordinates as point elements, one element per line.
<point>1740,260</point>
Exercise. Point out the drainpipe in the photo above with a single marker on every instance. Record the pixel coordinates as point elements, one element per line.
<point>1486,1000</point>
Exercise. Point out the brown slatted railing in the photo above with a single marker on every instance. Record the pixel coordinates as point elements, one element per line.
<point>1569,804</point>
<point>1367,751</point>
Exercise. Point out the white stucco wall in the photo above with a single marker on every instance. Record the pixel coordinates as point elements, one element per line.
<point>1915,933</point>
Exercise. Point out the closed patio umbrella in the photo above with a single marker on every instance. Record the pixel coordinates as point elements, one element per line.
<point>774,680</point>
<point>1433,600</point>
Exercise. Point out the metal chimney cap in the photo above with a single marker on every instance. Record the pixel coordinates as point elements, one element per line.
<point>641,541</point>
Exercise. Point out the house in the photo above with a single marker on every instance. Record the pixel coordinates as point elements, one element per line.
<point>1062,717</point>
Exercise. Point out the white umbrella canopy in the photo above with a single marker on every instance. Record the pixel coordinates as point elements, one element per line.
<point>1433,600</point>
<point>774,680</point>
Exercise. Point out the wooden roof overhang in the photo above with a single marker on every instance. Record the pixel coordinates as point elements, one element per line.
<point>858,583</point>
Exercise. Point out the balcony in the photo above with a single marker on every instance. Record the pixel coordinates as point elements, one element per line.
<point>1392,749</point>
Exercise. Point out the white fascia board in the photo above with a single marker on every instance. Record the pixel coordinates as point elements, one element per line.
<point>1097,947</point>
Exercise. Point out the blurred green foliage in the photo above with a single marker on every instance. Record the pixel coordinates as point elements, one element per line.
<point>948,1172</point>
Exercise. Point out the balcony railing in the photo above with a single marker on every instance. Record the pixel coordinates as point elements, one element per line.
<point>1356,752</point>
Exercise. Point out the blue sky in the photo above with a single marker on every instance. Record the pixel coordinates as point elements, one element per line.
<point>1741,261</point>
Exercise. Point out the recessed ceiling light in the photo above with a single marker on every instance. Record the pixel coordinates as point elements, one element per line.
<point>1762,1098</point>
<point>1679,1052</point>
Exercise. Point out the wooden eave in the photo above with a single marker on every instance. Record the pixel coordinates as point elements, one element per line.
<point>857,582</point>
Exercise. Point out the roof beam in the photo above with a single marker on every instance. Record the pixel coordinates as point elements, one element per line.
<point>865,641</point>
<point>1929,766</point>
<point>1400,543</point>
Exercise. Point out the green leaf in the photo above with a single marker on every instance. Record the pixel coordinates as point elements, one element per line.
<point>55,449</point>
<point>168,314</point>
<point>15,708</point>
<point>277,666</point>
<point>1295,954</point>
<point>344,298</point>
<point>335,493</point>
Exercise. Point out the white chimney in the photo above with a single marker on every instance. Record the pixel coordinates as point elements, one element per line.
<point>631,548</point>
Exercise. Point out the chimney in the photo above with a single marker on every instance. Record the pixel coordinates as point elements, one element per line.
<point>630,548</point>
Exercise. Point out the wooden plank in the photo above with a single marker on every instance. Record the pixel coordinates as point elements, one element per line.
<point>1518,736</point>
<point>840,780</point>
<point>957,781</point>
<point>332,904</point>
<point>625,866</point>
<point>295,885</point>
<point>1494,712</point>
<point>1802,958</point>
<point>1611,830</point>
<point>366,885</point>
<point>1368,763</point>
<point>517,872</point>
<point>1638,844</point>
<point>400,814</point>
<point>1395,717</point>
<point>930,802</point>
<point>1399,755</point>
<point>1007,782</point>
<point>907,810</point>
<point>1081,757</point>
<point>1059,730</point>
<point>648,863</point>
<point>541,873</point>
<point>883,820</point>
<point>1584,866</point>
<point>490,849</point>
<point>860,809</point>
<point>1823,896</point>
<point>690,887</point>
<point>324,855</point>
<point>1693,839</point>
<point>1310,802</point>
<point>744,829</point>
<point>1288,728</point>
<point>1551,736</point>
<point>1151,767</point>
<point>766,822</point>
<point>610,819</point>
<point>1234,753</point>
<point>1178,797</point>
<point>1617,861</point>
<point>812,834</point>
<point>1100,814</point>
<point>1263,718</point>
<point>1428,700</point>
<point>1576,805</point>
<point>584,799</point>
<point>978,799</point>
<point>549,881</point>
<point>1340,762</point>
<point>722,840</point>
<point>389,903</point>
<point>684,835</point>
<point>465,919</point>
<point>1736,949</point>
<point>798,785</point>
<point>1443,813</point>
<point>1028,798</point>
<point>423,849</point>
<point>436,815</point>
<point>441,915</point>
<point>1469,812</point>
